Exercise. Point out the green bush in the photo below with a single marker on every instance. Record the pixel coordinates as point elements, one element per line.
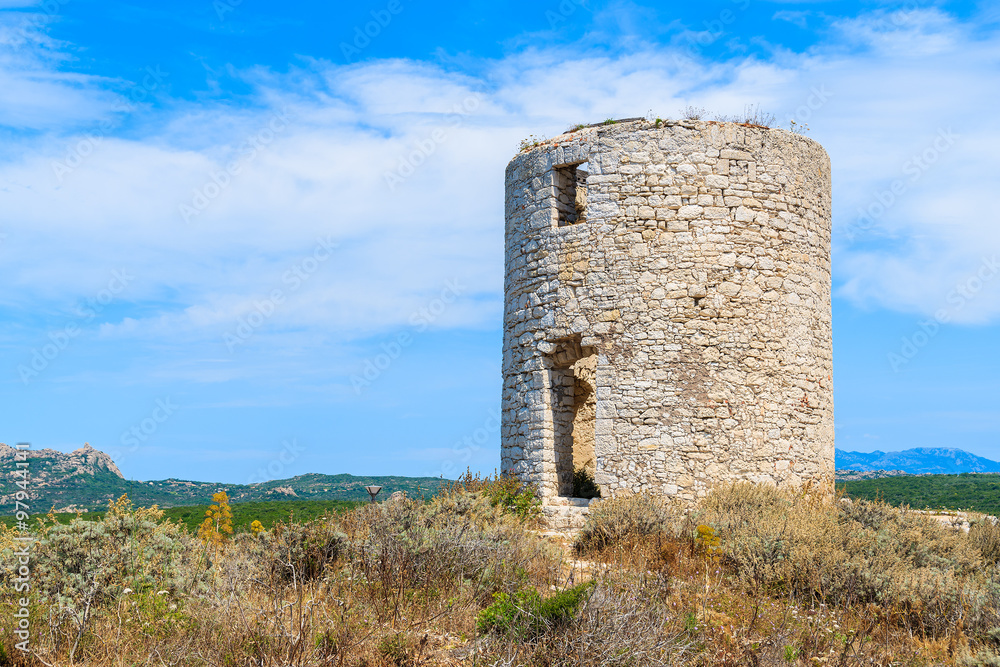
<point>584,485</point>
<point>505,491</point>
<point>84,562</point>
<point>526,615</point>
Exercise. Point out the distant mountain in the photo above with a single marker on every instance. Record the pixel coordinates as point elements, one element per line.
<point>87,478</point>
<point>918,461</point>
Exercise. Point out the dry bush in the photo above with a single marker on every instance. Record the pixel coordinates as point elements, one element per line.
<point>629,520</point>
<point>750,576</point>
<point>984,534</point>
<point>624,622</point>
<point>457,537</point>
<point>805,544</point>
<point>300,552</point>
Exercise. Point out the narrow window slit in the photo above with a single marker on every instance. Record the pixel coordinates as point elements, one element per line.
<point>571,193</point>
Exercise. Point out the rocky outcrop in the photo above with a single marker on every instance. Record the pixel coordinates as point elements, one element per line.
<point>58,464</point>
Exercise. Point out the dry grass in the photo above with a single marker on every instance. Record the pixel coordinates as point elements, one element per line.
<point>751,576</point>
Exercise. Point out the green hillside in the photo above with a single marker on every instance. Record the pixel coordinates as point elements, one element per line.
<point>267,512</point>
<point>978,492</point>
<point>91,490</point>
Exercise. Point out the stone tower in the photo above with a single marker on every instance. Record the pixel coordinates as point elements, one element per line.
<point>667,309</point>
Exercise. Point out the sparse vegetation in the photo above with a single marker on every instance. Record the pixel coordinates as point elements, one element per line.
<point>503,491</point>
<point>531,142</point>
<point>750,575</point>
<point>752,115</point>
<point>693,113</point>
<point>798,128</point>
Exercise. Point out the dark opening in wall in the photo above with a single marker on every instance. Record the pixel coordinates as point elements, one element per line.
<point>574,410</point>
<point>571,193</point>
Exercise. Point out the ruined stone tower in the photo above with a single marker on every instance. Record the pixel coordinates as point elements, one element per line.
<point>667,310</point>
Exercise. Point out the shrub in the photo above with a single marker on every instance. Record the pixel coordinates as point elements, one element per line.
<point>584,485</point>
<point>505,491</point>
<point>984,535</point>
<point>83,564</point>
<point>298,552</point>
<point>396,648</point>
<point>129,547</point>
<point>692,113</point>
<point>618,520</point>
<point>404,546</point>
<point>526,615</point>
<point>218,523</point>
<point>804,543</point>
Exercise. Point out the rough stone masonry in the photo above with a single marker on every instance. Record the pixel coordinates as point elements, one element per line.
<point>667,318</point>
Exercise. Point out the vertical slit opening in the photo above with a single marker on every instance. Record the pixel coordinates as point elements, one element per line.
<point>570,181</point>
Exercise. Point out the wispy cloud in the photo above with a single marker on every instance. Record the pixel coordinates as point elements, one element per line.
<point>896,80</point>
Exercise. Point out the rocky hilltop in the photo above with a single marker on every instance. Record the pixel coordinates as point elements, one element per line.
<point>52,471</point>
<point>58,465</point>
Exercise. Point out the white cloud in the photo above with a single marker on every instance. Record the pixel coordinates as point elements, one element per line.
<point>35,93</point>
<point>892,83</point>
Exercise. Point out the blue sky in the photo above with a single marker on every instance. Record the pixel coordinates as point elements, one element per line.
<point>243,240</point>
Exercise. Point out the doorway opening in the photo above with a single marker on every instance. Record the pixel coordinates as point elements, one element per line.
<point>574,416</point>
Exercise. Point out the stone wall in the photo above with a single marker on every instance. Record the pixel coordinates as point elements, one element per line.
<point>682,271</point>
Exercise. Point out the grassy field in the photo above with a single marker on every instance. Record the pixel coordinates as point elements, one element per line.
<point>978,492</point>
<point>267,512</point>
